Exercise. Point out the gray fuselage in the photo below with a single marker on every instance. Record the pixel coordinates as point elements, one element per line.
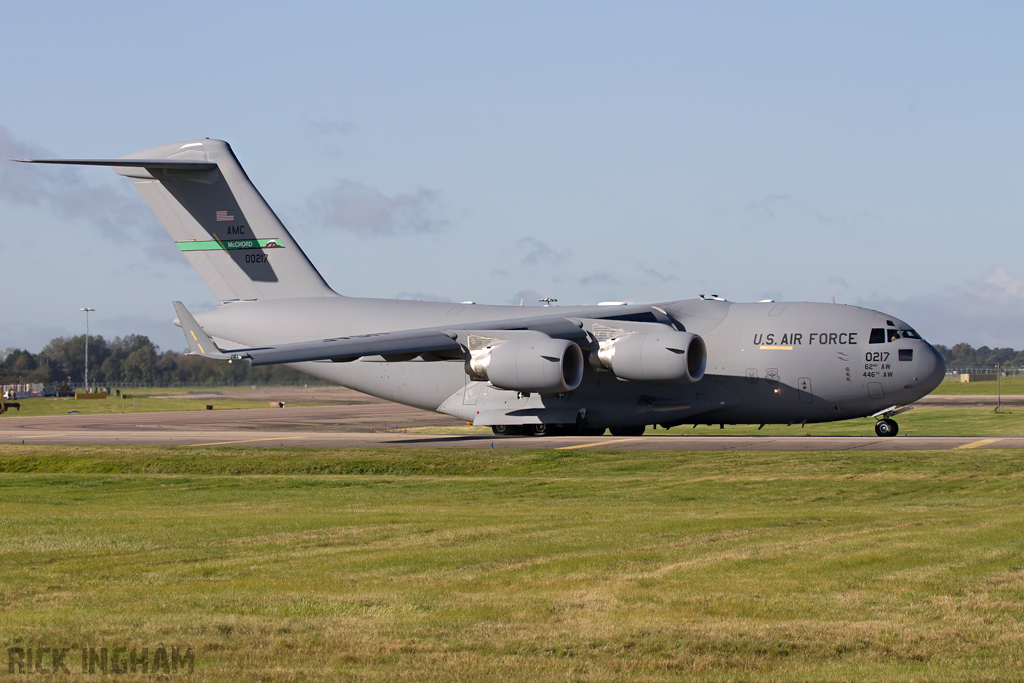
<point>766,362</point>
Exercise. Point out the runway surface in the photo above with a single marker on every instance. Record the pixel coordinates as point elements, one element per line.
<point>382,426</point>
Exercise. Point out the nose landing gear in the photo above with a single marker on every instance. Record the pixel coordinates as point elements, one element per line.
<point>887,427</point>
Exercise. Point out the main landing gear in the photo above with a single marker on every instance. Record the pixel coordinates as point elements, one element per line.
<point>887,427</point>
<point>521,430</point>
<point>547,430</point>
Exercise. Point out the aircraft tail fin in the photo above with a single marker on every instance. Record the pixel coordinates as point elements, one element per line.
<point>219,220</point>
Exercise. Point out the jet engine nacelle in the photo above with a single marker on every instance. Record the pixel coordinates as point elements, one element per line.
<point>543,366</point>
<point>669,356</point>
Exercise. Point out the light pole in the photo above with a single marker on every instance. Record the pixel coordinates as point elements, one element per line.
<point>999,394</point>
<point>87,311</point>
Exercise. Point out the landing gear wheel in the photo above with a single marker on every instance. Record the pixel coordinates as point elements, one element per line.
<point>536,430</point>
<point>887,427</point>
<point>635,430</point>
<point>502,430</point>
<point>592,431</point>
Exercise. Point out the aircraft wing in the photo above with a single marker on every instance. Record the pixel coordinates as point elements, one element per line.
<point>399,343</point>
<point>337,349</point>
<point>403,343</point>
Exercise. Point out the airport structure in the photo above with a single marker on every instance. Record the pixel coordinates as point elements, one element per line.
<point>570,369</point>
<point>26,390</point>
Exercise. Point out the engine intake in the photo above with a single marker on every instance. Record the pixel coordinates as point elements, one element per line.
<point>659,356</point>
<point>543,366</point>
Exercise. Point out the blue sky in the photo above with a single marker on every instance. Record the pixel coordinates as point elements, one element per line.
<point>496,152</point>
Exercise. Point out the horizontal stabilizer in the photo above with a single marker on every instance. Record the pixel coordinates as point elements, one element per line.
<point>129,163</point>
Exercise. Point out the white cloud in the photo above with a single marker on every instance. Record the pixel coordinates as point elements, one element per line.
<point>653,274</point>
<point>70,192</point>
<point>771,206</point>
<point>422,296</point>
<point>539,252</point>
<point>325,126</point>
<point>365,210</point>
<point>600,278</point>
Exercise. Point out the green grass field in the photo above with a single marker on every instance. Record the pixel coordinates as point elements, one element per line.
<point>278,564</point>
<point>1007,385</point>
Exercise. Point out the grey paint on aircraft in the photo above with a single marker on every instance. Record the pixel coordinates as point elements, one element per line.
<point>765,362</point>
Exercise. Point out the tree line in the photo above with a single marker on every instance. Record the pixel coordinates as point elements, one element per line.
<point>966,356</point>
<point>134,360</point>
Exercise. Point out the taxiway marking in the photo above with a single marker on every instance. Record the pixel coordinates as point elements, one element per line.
<point>599,443</point>
<point>273,438</point>
<point>978,444</point>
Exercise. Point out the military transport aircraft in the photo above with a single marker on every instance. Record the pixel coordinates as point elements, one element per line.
<point>564,369</point>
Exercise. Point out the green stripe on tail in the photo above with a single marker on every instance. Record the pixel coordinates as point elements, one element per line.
<point>229,245</point>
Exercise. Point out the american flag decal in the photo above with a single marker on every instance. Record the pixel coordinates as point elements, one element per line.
<point>223,216</point>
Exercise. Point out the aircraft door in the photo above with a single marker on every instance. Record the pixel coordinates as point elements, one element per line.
<point>804,390</point>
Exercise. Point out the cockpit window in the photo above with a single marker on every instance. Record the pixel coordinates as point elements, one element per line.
<point>881,335</point>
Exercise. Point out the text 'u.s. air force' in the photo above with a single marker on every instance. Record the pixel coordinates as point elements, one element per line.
<point>797,338</point>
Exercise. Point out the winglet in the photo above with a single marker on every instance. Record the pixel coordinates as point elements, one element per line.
<point>199,343</point>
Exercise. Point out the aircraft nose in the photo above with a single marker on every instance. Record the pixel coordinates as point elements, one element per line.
<point>930,370</point>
